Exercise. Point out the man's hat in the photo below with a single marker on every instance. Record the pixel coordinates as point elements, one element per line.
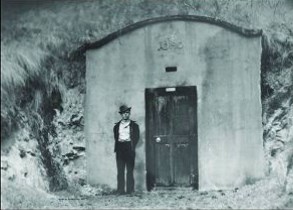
<point>123,109</point>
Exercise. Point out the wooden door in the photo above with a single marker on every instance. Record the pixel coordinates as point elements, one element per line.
<point>171,147</point>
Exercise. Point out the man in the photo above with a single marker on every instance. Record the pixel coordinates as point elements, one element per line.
<point>126,135</point>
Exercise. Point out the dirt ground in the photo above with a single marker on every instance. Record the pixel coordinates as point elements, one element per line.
<point>181,199</point>
<point>265,194</point>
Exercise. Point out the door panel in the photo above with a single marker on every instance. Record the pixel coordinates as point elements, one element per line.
<point>162,158</point>
<point>182,164</point>
<point>181,115</point>
<point>161,140</point>
<point>171,136</point>
<point>161,110</point>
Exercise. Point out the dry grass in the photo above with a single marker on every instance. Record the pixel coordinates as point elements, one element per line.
<point>37,41</point>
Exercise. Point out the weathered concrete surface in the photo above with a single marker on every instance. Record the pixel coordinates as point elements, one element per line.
<point>223,65</point>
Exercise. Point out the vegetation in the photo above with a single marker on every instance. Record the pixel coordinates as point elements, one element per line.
<point>39,71</point>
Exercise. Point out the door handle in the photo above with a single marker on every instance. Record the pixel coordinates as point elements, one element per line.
<point>158,139</point>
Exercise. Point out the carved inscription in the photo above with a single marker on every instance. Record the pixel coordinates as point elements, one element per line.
<point>170,43</point>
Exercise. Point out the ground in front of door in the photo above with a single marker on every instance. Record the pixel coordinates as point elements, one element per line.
<point>265,194</point>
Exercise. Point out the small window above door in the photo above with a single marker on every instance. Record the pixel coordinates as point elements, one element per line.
<point>171,69</point>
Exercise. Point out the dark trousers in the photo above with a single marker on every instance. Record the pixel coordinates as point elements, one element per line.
<point>125,159</point>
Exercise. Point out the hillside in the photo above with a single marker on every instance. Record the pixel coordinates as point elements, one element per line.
<point>43,90</point>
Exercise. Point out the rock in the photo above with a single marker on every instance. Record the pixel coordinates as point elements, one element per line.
<point>11,176</point>
<point>221,192</point>
<point>203,193</point>
<point>22,153</point>
<point>76,120</point>
<point>65,161</point>
<point>73,117</point>
<point>57,112</point>
<point>71,155</point>
<point>4,165</point>
<point>61,123</point>
<point>31,153</point>
<point>180,197</point>
<point>79,148</point>
<point>81,181</point>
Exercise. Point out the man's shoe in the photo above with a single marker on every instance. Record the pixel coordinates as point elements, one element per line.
<point>119,192</point>
<point>130,193</point>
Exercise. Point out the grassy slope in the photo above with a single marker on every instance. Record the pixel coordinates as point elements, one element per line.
<point>37,40</point>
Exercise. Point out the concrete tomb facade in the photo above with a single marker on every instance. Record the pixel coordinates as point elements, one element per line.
<point>194,89</point>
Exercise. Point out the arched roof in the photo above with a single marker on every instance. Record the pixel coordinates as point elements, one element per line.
<point>190,18</point>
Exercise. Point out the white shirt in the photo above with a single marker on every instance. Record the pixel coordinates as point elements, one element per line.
<point>124,131</point>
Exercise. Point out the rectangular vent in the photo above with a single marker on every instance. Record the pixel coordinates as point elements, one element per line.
<point>171,69</point>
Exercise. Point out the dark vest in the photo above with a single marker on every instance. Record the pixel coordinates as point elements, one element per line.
<point>134,134</point>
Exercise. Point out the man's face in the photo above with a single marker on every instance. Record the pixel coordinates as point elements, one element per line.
<point>125,115</point>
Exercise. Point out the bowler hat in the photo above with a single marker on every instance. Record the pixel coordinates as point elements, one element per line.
<point>124,108</point>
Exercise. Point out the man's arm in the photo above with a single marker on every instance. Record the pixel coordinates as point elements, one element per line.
<point>115,132</point>
<point>115,136</point>
<point>136,134</point>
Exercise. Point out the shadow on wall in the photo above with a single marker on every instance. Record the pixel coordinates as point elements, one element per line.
<point>139,175</point>
<point>213,50</point>
<point>140,164</point>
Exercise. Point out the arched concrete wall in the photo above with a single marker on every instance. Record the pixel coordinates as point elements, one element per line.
<point>224,66</point>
